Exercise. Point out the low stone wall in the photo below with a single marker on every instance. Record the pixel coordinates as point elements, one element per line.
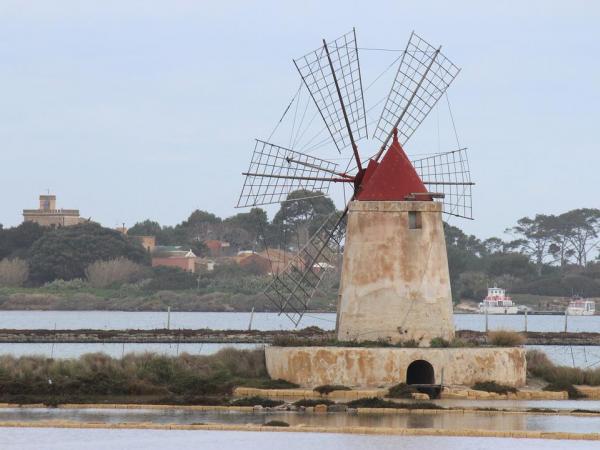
<point>363,366</point>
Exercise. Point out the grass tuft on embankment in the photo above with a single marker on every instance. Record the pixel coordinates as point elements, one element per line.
<point>560,378</point>
<point>195,378</point>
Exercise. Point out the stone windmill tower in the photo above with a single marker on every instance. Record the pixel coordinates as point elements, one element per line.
<point>395,283</point>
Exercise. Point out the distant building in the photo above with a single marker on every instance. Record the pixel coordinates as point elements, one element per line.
<point>48,215</point>
<point>250,259</point>
<point>205,265</point>
<point>174,256</point>
<point>218,248</point>
<point>148,242</point>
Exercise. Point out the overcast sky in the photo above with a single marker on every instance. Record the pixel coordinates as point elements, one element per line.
<point>130,110</point>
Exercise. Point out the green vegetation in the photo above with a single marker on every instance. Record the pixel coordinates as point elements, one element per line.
<point>562,386</point>
<point>376,402</point>
<point>64,253</point>
<point>585,411</point>
<point>309,403</point>
<point>547,257</point>
<point>504,338</point>
<point>401,390</point>
<point>492,386</point>
<point>560,378</point>
<point>256,401</point>
<point>156,378</point>
<point>276,423</point>
<point>326,389</point>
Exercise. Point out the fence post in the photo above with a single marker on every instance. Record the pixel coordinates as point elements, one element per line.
<point>525,321</point>
<point>566,320</point>
<point>251,318</point>
<point>168,317</point>
<point>486,320</point>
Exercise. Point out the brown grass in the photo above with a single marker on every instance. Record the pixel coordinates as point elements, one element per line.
<point>13,272</point>
<point>113,273</point>
<point>97,374</point>
<point>505,338</point>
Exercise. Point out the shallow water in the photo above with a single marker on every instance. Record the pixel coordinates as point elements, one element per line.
<point>97,439</point>
<point>122,320</point>
<point>74,350</point>
<point>449,420</point>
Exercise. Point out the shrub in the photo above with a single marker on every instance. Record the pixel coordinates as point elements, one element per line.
<point>329,388</point>
<point>309,402</point>
<point>492,386</point>
<point>504,338</point>
<point>171,279</point>
<point>538,365</point>
<point>277,423</point>
<point>62,285</point>
<point>439,342</point>
<point>559,386</point>
<point>376,402</point>
<point>65,252</point>
<point>13,272</point>
<point>193,377</point>
<point>254,401</point>
<point>114,273</point>
<point>276,384</point>
<point>401,390</point>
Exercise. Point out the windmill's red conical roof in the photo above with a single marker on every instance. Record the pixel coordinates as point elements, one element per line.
<point>393,179</point>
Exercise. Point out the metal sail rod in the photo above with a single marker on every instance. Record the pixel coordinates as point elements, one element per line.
<point>292,177</point>
<point>325,243</point>
<point>450,183</point>
<point>389,136</point>
<point>339,92</point>
<point>322,169</point>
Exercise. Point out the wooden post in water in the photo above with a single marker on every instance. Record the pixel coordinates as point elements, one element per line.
<point>251,318</point>
<point>168,317</point>
<point>525,321</point>
<point>566,320</point>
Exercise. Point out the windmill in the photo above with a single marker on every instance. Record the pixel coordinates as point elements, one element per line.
<point>386,180</point>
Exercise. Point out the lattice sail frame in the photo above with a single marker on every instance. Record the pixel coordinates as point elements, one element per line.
<point>448,173</point>
<point>292,289</point>
<point>424,74</point>
<point>319,79</point>
<point>276,171</point>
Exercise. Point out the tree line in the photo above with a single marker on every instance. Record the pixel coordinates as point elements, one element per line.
<point>542,254</point>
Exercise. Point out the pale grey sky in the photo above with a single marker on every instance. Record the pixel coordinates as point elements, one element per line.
<point>130,110</point>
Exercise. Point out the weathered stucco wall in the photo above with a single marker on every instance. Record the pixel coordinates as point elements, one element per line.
<point>361,366</point>
<point>395,283</point>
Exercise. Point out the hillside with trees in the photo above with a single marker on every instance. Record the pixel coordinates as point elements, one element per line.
<point>91,267</point>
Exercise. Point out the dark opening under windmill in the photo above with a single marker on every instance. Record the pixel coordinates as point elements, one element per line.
<point>385,270</point>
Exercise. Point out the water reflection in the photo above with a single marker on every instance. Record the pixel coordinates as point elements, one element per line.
<point>443,420</point>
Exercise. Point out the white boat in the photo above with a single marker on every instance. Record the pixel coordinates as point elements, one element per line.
<point>497,302</point>
<point>581,307</point>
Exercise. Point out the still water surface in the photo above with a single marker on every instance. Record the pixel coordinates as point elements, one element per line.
<point>71,439</point>
<point>122,320</point>
<point>449,420</point>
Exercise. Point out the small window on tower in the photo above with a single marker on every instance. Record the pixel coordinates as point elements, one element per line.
<point>414,220</point>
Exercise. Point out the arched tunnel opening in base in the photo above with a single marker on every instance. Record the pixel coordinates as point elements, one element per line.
<point>421,375</point>
<point>420,372</point>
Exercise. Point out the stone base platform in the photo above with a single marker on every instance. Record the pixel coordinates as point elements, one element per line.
<point>378,367</point>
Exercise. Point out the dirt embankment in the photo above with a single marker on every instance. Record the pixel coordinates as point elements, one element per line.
<point>317,335</point>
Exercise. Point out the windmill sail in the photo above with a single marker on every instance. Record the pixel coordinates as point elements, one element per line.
<point>332,76</point>
<point>291,290</point>
<point>276,171</point>
<point>448,173</point>
<point>423,76</point>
